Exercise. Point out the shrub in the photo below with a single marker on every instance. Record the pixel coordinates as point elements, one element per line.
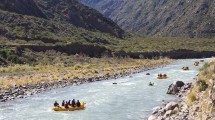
<point>191,97</point>
<point>201,85</point>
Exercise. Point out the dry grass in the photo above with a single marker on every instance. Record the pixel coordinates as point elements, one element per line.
<point>200,92</point>
<point>207,71</point>
<point>191,97</point>
<point>92,67</point>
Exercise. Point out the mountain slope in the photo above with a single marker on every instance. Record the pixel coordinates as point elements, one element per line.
<point>54,26</point>
<point>64,11</point>
<point>26,7</point>
<point>182,18</point>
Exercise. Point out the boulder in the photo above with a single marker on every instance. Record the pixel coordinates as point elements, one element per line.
<point>20,96</point>
<point>186,86</point>
<point>7,92</point>
<point>152,117</point>
<point>174,88</point>
<point>11,98</point>
<point>178,83</point>
<point>156,109</point>
<point>168,113</point>
<point>3,100</point>
<point>91,80</point>
<point>21,93</point>
<point>29,93</point>
<point>175,110</point>
<point>1,97</point>
<point>171,106</point>
<point>162,111</point>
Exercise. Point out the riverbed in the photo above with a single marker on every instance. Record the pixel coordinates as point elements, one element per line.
<point>130,99</point>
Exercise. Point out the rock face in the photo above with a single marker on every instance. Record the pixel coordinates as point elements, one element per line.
<point>175,87</point>
<point>183,18</point>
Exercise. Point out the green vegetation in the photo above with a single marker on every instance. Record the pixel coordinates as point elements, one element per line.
<point>18,29</point>
<point>150,44</point>
<point>201,86</point>
<point>43,32</point>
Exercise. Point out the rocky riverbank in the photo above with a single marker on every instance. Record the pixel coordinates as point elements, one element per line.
<point>173,110</point>
<point>201,108</point>
<point>28,90</point>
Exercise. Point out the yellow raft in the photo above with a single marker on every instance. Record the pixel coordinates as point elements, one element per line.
<point>162,77</point>
<point>61,108</point>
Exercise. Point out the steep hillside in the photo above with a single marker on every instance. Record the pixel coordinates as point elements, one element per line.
<point>64,26</point>
<point>64,12</point>
<point>182,18</point>
<point>26,7</point>
<point>20,29</point>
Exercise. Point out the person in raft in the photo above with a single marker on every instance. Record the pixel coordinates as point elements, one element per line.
<point>159,75</point>
<point>78,103</point>
<point>151,84</point>
<point>63,103</point>
<point>69,103</point>
<point>164,75</point>
<point>73,103</point>
<point>56,104</point>
<point>66,105</point>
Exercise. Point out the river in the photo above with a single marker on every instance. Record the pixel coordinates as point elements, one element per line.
<point>130,99</point>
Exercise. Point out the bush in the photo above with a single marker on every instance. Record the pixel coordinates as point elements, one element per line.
<point>191,97</point>
<point>201,85</point>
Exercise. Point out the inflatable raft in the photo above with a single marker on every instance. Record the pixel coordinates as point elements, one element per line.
<point>162,77</point>
<point>185,68</point>
<point>61,108</point>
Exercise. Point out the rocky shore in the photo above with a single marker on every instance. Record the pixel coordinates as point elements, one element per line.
<point>28,90</point>
<point>173,110</point>
<point>196,100</point>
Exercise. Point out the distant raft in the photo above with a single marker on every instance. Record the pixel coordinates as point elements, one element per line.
<point>185,68</point>
<point>196,64</point>
<point>151,84</point>
<point>61,108</point>
<point>162,77</point>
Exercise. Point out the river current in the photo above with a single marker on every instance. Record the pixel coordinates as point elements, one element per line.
<point>130,99</point>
